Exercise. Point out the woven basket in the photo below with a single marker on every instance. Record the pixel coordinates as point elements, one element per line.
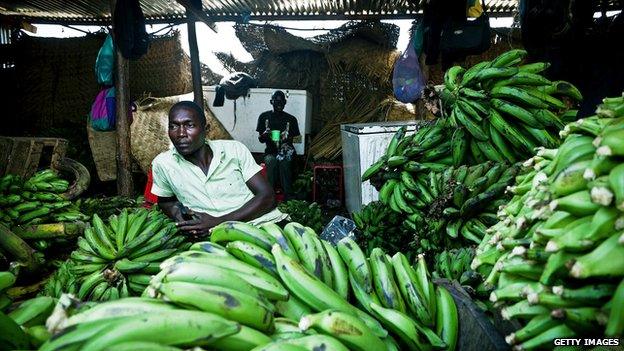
<point>164,71</point>
<point>149,129</point>
<point>55,78</point>
<point>104,150</point>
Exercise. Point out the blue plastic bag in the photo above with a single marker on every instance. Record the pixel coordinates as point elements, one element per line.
<point>408,82</point>
<point>103,115</point>
<point>105,62</point>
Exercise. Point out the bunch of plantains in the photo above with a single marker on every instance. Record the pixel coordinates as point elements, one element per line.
<point>503,109</point>
<point>7,279</point>
<point>23,326</point>
<point>454,264</point>
<point>37,200</point>
<point>63,280</point>
<point>498,111</point>
<point>116,259</point>
<point>440,207</point>
<point>304,212</point>
<point>267,288</point>
<point>382,227</point>
<point>555,261</point>
<point>107,206</point>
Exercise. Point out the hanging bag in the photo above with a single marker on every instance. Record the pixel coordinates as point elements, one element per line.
<point>105,62</point>
<point>407,78</point>
<point>103,114</point>
<point>464,37</point>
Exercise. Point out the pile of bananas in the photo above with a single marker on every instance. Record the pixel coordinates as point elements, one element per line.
<point>304,212</point>
<point>25,324</point>
<point>503,109</point>
<point>62,281</point>
<point>39,199</point>
<point>282,287</point>
<point>454,264</point>
<point>7,279</point>
<point>115,259</point>
<point>442,206</point>
<point>555,261</point>
<point>107,206</point>
<point>381,227</point>
<point>303,184</point>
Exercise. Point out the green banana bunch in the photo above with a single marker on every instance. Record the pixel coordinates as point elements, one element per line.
<point>117,258</point>
<point>312,286</point>
<point>7,279</point>
<point>454,264</point>
<point>159,327</point>
<point>302,185</point>
<point>32,312</point>
<point>304,212</point>
<point>504,109</point>
<point>381,227</point>
<point>554,260</point>
<point>61,281</point>
<point>107,206</point>
<point>39,199</point>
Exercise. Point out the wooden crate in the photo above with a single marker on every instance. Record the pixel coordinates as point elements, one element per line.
<point>23,155</point>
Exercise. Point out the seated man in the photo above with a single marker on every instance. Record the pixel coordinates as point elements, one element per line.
<point>218,180</point>
<point>279,153</point>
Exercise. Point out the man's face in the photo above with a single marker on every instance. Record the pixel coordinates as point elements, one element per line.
<point>278,103</point>
<point>186,131</point>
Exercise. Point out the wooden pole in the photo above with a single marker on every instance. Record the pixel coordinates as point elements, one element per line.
<point>198,93</point>
<point>125,184</point>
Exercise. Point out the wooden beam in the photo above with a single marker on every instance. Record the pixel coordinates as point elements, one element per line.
<point>198,13</point>
<point>125,184</point>
<point>198,94</point>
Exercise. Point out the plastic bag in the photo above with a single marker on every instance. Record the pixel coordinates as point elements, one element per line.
<point>338,228</point>
<point>103,115</point>
<point>407,78</point>
<point>105,62</point>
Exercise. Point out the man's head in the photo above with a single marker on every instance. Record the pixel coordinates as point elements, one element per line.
<point>278,100</point>
<point>187,127</point>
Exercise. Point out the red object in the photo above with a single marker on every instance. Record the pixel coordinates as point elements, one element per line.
<point>150,198</point>
<point>318,169</point>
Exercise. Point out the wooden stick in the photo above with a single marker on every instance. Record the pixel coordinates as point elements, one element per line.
<point>198,94</point>
<point>125,185</point>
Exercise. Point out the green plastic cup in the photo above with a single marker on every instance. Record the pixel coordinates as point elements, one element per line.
<point>275,135</point>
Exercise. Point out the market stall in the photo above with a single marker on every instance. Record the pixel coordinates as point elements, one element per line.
<point>468,204</point>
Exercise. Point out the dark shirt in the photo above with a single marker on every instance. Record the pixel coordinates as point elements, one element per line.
<point>277,121</point>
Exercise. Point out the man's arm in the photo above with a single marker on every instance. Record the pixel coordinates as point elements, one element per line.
<point>293,129</point>
<point>262,202</point>
<point>171,207</point>
<point>263,135</point>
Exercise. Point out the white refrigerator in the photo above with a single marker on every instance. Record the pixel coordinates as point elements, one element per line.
<point>362,145</point>
<point>240,116</point>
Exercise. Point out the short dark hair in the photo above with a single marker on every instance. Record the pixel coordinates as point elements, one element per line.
<point>189,105</point>
<point>278,93</point>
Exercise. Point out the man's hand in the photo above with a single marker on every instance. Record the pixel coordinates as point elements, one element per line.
<point>200,225</point>
<point>264,137</point>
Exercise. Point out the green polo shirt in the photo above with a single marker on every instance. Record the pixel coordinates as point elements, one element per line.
<point>220,191</point>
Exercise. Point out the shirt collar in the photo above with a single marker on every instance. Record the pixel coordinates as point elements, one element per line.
<point>217,154</point>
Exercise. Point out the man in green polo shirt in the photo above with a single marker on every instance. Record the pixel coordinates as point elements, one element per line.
<point>218,180</point>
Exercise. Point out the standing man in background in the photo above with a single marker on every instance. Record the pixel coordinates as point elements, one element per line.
<point>277,129</point>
